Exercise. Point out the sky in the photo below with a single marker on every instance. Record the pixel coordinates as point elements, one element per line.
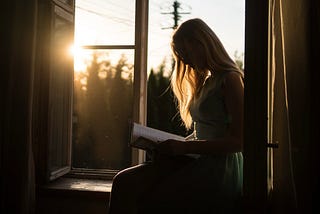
<point>111,22</point>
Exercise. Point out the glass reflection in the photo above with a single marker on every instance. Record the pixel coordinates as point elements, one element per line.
<point>104,22</point>
<point>103,96</point>
<point>60,92</point>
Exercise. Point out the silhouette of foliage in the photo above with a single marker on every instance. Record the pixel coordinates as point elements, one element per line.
<point>162,109</point>
<point>239,60</point>
<point>102,109</point>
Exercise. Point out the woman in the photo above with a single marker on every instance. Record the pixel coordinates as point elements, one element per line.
<point>203,174</point>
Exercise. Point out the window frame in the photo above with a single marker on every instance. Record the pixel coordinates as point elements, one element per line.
<point>139,86</point>
<point>256,59</point>
<point>257,55</point>
<point>66,4</point>
<point>42,130</point>
<point>65,130</point>
<point>50,108</point>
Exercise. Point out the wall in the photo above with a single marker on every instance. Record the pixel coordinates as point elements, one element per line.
<point>65,201</point>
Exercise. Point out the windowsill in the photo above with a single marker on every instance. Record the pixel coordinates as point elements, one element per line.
<point>78,188</point>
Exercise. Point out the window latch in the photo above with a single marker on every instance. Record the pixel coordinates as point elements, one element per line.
<point>273,145</point>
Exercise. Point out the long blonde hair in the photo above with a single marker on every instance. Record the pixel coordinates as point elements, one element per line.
<point>197,51</point>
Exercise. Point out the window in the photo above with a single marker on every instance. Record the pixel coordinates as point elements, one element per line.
<point>52,101</point>
<point>109,83</point>
<point>225,18</point>
<point>60,93</point>
<point>117,61</point>
<point>105,73</point>
<point>52,122</point>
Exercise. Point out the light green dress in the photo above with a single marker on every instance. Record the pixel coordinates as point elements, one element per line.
<point>211,121</point>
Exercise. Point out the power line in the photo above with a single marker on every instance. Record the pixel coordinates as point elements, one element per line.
<point>109,17</point>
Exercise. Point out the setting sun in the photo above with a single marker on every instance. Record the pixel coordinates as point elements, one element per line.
<point>72,50</point>
<point>78,54</point>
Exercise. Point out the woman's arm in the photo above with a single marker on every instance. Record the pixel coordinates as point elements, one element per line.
<point>233,141</point>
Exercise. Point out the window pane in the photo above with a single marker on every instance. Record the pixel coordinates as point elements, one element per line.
<point>103,96</point>
<point>60,93</point>
<point>104,22</point>
<point>226,18</point>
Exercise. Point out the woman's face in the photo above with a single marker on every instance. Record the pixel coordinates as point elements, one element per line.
<point>191,52</point>
<point>196,57</point>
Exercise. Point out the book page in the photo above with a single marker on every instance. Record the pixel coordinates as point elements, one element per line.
<point>151,134</point>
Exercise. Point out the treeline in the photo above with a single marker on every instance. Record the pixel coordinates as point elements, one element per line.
<point>162,112</point>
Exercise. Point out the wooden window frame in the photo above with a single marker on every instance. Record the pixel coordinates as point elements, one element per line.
<point>257,49</point>
<point>45,125</point>
<point>139,86</point>
<point>52,100</point>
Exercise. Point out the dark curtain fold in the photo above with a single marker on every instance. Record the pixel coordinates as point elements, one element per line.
<point>18,31</point>
<point>296,112</point>
<point>284,186</point>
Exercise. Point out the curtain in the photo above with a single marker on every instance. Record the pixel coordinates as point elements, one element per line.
<point>284,192</point>
<point>18,31</point>
<point>290,106</point>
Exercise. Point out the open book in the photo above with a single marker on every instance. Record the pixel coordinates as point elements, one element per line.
<point>146,138</point>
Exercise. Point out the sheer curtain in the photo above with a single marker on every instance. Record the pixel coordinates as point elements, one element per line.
<point>292,102</point>
<point>281,176</point>
<point>18,31</point>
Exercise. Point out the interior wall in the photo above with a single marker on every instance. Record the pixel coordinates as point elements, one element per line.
<point>17,44</point>
<point>314,148</point>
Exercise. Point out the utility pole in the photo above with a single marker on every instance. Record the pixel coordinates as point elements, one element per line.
<point>176,14</point>
<point>176,6</point>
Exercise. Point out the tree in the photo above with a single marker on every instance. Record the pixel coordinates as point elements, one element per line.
<point>104,106</point>
<point>120,102</point>
<point>239,60</point>
<point>88,101</point>
<point>162,108</point>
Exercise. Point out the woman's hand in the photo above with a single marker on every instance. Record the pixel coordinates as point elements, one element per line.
<point>171,147</point>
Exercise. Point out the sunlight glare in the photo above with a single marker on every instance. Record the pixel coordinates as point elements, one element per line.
<point>72,50</point>
<point>78,54</point>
